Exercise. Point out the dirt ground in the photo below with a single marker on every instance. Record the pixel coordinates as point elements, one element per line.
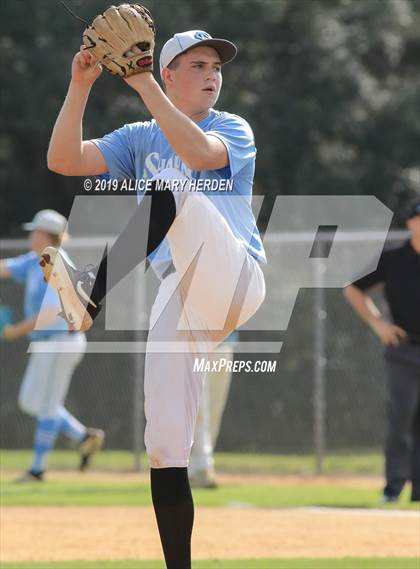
<point>93,533</point>
<point>90,533</point>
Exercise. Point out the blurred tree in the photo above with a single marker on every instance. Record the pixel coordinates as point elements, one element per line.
<point>331,88</point>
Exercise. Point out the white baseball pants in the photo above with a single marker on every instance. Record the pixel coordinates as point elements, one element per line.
<point>47,377</point>
<point>216,287</point>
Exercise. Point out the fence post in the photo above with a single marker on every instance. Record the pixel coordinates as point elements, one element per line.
<point>320,360</point>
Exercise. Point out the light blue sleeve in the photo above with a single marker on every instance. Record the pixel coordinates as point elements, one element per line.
<point>237,136</point>
<point>50,299</point>
<point>118,149</point>
<point>19,266</point>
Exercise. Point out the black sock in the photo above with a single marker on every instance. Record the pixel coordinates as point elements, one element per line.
<point>174,509</point>
<point>142,235</point>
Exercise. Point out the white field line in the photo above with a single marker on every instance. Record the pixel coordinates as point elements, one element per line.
<point>364,511</point>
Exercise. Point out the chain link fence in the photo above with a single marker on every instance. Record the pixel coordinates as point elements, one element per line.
<point>327,393</point>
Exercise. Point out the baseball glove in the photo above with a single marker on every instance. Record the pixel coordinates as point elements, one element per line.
<point>122,39</point>
<point>6,317</point>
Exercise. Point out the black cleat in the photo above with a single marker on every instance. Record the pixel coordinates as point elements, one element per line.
<point>31,476</point>
<point>390,498</point>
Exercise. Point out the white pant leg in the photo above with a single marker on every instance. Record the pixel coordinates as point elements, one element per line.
<point>194,308</point>
<point>202,450</point>
<point>47,378</point>
<point>212,405</point>
<point>172,389</point>
<point>218,389</point>
<point>39,375</point>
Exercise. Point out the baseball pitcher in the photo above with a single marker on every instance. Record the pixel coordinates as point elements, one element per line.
<point>203,245</point>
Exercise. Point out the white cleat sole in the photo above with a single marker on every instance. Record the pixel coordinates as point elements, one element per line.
<point>56,274</point>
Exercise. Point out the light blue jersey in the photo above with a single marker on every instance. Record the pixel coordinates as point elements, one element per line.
<point>140,151</point>
<point>25,269</point>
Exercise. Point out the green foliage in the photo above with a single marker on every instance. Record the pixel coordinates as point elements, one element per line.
<point>329,86</point>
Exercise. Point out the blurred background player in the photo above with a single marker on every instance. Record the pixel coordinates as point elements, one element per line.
<point>47,376</point>
<point>399,271</point>
<point>201,470</point>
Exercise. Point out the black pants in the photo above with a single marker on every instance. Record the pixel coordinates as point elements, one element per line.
<point>402,451</point>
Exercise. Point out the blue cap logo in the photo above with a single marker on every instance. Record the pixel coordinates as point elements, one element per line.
<point>202,36</point>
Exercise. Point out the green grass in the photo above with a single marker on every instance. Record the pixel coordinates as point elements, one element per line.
<point>352,463</point>
<point>68,460</point>
<point>346,563</point>
<point>78,492</point>
<point>346,463</point>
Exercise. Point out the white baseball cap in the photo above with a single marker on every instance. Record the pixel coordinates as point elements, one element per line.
<point>180,43</point>
<point>47,220</point>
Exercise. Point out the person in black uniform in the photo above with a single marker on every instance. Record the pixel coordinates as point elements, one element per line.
<point>399,271</point>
